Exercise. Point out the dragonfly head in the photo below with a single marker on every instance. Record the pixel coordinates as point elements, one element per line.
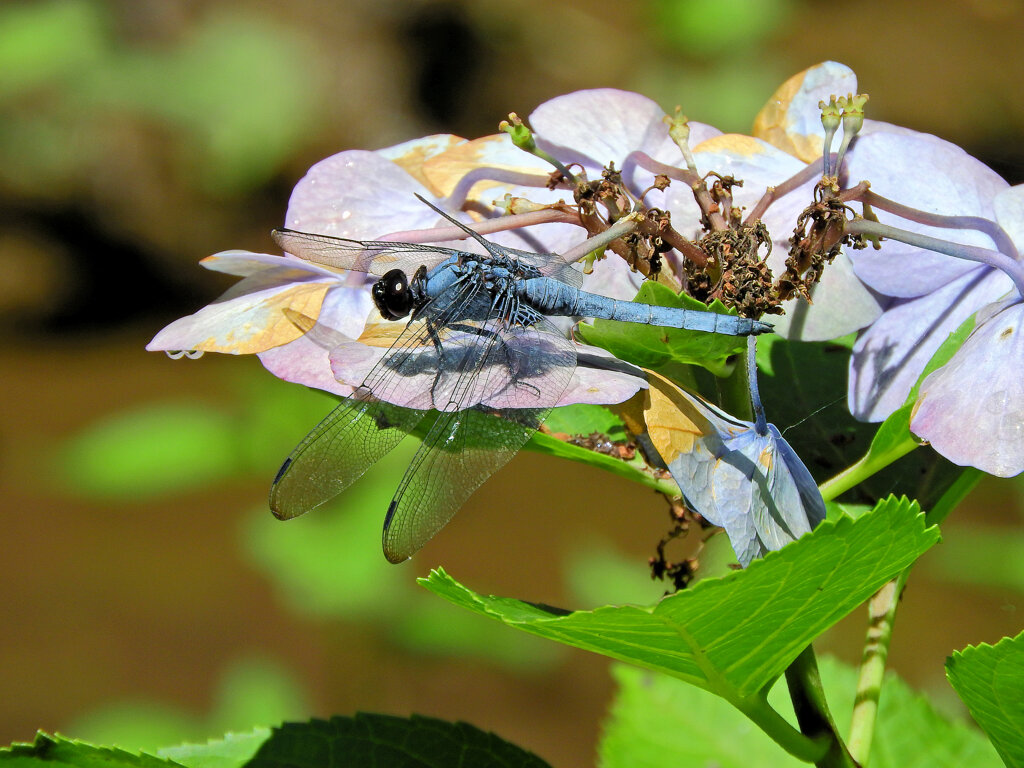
<point>392,295</point>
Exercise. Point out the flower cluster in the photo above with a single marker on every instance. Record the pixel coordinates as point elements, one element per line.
<point>703,211</point>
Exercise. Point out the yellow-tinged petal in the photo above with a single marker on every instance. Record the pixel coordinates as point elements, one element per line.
<point>773,123</point>
<point>415,155</point>
<point>445,171</point>
<point>672,422</point>
<point>381,333</point>
<point>268,325</point>
<point>733,143</point>
<point>791,118</point>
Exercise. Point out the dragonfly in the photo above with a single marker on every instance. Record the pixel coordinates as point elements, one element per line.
<point>478,355</point>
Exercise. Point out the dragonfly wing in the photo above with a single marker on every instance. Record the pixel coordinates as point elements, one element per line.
<point>373,256</point>
<point>338,450</point>
<point>361,430</point>
<point>471,439</point>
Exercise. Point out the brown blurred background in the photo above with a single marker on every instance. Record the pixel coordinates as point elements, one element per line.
<point>147,597</point>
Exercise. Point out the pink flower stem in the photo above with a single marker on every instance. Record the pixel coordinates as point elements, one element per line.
<point>1002,241</point>
<point>485,227</point>
<point>710,208</point>
<point>772,194</point>
<point>488,173</point>
<point>1013,269</point>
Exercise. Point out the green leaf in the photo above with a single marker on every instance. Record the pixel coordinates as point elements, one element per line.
<point>990,680</point>
<point>736,634</point>
<point>568,433</point>
<point>56,750</point>
<point>232,751</point>
<point>367,740</point>
<point>656,721</point>
<point>634,469</point>
<point>582,419</point>
<point>655,347</point>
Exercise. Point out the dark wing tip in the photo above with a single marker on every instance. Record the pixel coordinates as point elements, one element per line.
<point>389,552</point>
<point>278,504</point>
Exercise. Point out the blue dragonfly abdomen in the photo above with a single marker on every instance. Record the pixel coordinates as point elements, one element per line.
<point>553,297</point>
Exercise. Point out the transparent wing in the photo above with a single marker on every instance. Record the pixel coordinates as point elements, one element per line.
<point>376,257</point>
<point>357,433</point>
<point>352,438</point>
<point>549,264</point>
<point>373,256</point>
<point>529,368</point>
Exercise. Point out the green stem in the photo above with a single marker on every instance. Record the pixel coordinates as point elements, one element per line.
<point>812,713</point>
<point>801,746</point>
<point>881,618</point>
<point>865,467</point>
<point>882,615</point>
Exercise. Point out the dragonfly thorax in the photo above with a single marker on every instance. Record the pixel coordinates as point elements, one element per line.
<point>394,296</point>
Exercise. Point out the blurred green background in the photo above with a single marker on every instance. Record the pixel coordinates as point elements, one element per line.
<point>147,596</point>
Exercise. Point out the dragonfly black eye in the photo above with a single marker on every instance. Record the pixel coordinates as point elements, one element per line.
<point>392,296</point>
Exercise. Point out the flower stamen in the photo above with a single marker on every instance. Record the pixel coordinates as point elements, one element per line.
<point>522,137</point>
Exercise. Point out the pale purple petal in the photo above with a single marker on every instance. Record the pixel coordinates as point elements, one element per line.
<point>602,125</point>
<point>605,125</point>
<point>1009,207</point>
<point>351,361</point>
<point>599,386</point>
<point>841,305</point>
<point>307,359</point>
<point>890,356</point>
<point>359,195</point>
<point>955,184</point>
<point>972,409</point>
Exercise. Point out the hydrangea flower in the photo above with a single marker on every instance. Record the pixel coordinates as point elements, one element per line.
<point>926,294</point>
<point>318,326</point>
<point>971,409</point>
